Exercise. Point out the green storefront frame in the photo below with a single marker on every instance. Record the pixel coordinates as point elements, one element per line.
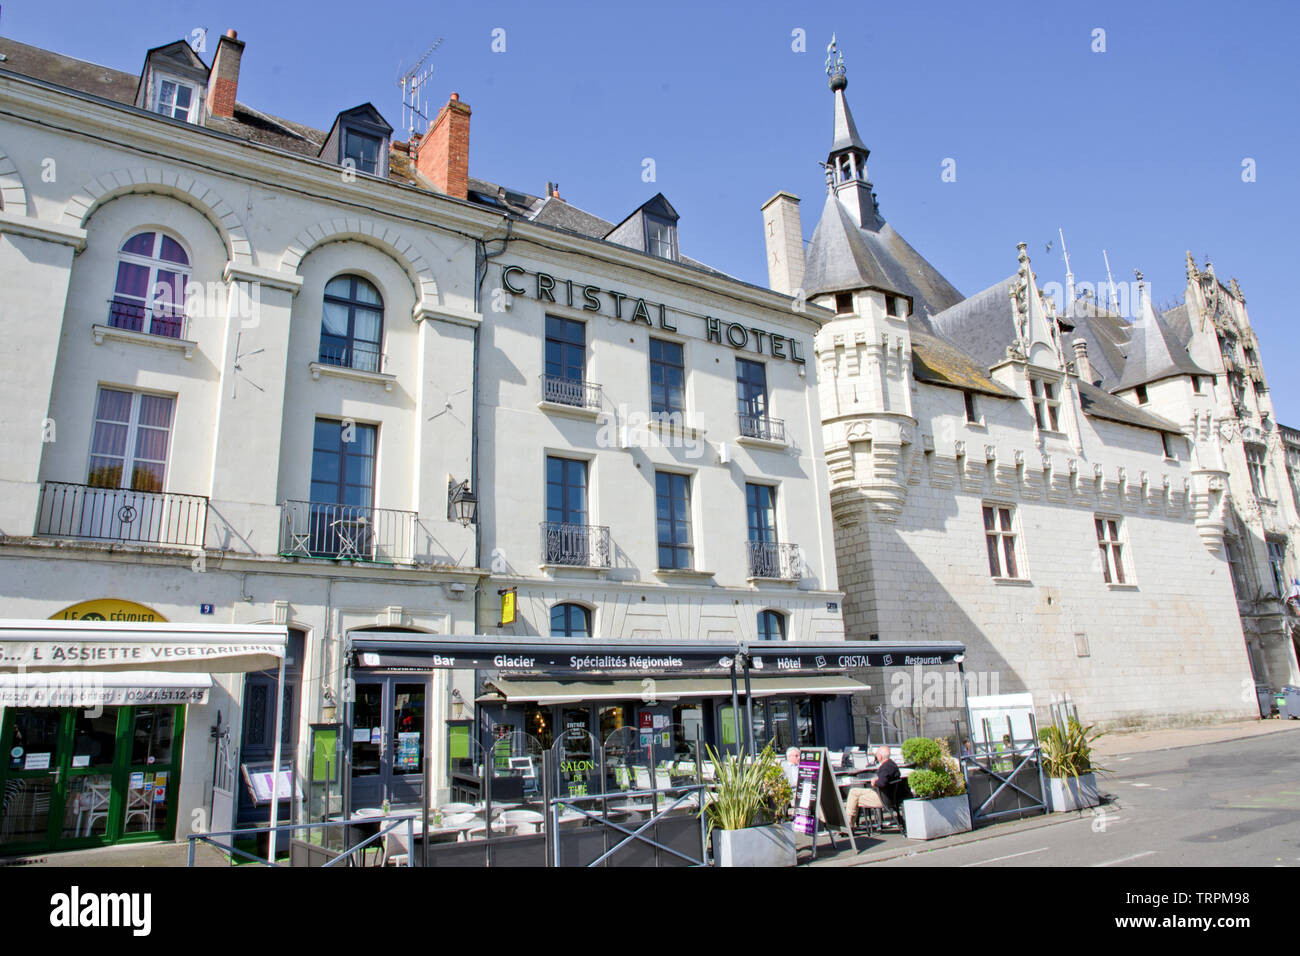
<point>88,802</point>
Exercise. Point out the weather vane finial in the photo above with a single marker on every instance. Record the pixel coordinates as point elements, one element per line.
<point>835,66</point>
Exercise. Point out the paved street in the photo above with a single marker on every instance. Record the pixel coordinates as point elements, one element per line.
<point>1234,803</point>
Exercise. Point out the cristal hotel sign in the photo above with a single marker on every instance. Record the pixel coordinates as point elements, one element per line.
<point>619,305</point>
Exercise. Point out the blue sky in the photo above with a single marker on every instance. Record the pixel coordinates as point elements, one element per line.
<point>1137,150</point>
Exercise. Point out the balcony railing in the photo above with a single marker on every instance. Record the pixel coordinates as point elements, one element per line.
<point>569,391</point>
<point>70,510</point>
<point>575,545</point>
<point>134,316</point>
<point>762,427</point>
<point>314,529</point>
<point>769,559</point>
<point>358,355</point>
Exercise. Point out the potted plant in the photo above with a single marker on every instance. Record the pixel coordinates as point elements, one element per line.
<point>938,806</point>
<point>1067,761</point>
<point>748,811</point>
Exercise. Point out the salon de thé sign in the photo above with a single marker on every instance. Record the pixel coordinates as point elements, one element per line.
<point>580,295</point>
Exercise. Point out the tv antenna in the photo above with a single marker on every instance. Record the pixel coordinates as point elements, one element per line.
<point>412,83</point>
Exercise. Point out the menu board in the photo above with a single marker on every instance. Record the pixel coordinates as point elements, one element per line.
<point>817,798</point>
<point>806,788</point>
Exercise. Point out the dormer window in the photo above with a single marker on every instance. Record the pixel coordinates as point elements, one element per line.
<point>1047,407</point>
<point>660,238</point>
<point>358,141</point>
<point>1141,393</point>
<point>363,150</point>
<point>176,100</point>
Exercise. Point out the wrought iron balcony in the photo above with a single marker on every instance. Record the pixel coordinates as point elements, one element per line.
<point>69,510</point>
<point>133,315</point>
<point>762,427</point>
<point>575,545</point>
<point>314,529</point>
<point>569,391</point>
<point>358,355</point>
<point>770,559</point>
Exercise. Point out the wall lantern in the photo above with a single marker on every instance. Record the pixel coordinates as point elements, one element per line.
<point>462,504</point>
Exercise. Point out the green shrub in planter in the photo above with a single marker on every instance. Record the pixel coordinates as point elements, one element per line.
<point>929,784</point>
<point>937,773</point>
<point>921,752</point>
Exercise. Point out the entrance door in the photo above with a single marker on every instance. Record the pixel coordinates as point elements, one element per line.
<point>388,746</point>
<point>70,779</point>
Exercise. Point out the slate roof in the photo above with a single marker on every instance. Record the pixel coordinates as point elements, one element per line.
<point>843,256</point>
<point>1106,335</point>
<point>1101,404</point>
<point>937,362</point>
<point>1152,353</point>
<point>846,131</point>
<point>1179,323</point>
<point>119,87</point>
<point>257,127</point>
<point>982,326</point>
<point>68,71</point>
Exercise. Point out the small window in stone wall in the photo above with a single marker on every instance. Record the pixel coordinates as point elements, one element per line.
<point>1081,648</point>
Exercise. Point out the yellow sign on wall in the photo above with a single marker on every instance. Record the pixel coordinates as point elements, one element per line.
<point>108,609</point>
<point>507,606</point>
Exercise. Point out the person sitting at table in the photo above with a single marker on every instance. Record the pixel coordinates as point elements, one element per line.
<point>868,797</point>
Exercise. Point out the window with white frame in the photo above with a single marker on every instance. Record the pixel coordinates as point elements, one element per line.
<point>1277,565</point>
<point>1172,444</point>
<point>176,99</point>
<point>1111,547</point>
<point>972,412</point>
<point>1000,540</point>
<point>1047,404</point>
<point>130,439</point>
<point>1255,465</point>
<point>149,295</point>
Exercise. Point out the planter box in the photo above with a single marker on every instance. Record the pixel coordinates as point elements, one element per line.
<point>755,846</point>
<point>1067,793</point>
<point>929,819</point>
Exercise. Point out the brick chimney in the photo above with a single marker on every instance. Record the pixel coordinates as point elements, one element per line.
<point>443,153</point>
<point>223,78</point>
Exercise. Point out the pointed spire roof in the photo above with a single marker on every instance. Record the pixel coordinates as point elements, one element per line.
<point>843,257</point>
<point>853,247</point>
<point>1154,352</point>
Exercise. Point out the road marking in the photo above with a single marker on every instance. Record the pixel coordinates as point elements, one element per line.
<point>1125,859</point>
<point>1009,856</point>
<point>1141,784</point>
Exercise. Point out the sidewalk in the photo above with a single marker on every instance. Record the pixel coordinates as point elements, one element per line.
<point>123,855</point>
<point>888,846</point>
<point>1167,738</point>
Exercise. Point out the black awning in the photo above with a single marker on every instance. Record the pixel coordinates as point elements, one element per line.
<point>397,651</point>
<point>380,650</point>
<point>843,655</point>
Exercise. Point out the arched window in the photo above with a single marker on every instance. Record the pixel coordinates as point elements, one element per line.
<point>352,324</point>
<point>570,620</point>
<point>771,626</point>
<point>149,297</point>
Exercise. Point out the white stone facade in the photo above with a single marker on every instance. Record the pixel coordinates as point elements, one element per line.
<point>263,232</point>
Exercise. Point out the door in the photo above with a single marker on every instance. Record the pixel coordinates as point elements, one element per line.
<point>75,778</point>
<point>388,745</point>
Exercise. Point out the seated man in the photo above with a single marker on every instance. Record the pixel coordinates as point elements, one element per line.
<point>861,798</point>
